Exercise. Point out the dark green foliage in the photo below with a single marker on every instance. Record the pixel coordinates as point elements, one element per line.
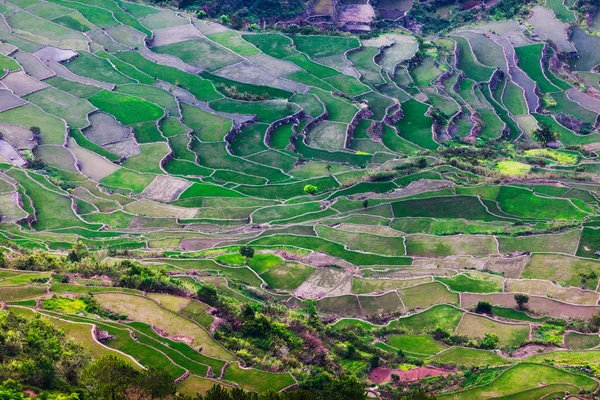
<point>34,352</point>
<point>544,134</point>
<point>247,251</point>
<point>110,377</point>
<point>483,307</point>
<point>344,388</point>
<point>208,294</point>
<point>521,299</point>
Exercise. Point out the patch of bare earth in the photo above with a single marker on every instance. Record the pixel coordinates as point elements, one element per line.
<point>165,188</point>
<point>536,304</point>
<point>199,244</point>
<point>325,282</point>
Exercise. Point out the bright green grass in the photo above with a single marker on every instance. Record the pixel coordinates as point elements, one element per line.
<point>514,99</point>
<point>250,140</point>
<point>334,249</point>
<point>208,127</point>
<point>266,111</point>
<point>287,276</point>
<point>64,304</point>
<point>233,41</point>
<point>127,179</point>
<point>398,144</point>
<point>200,53</point>
<point>53,129</point>
<point>71,109</point>
<point>524,203</point>
<point>324,46</point>
<point>114,220</point>
<point>469,357</point>
<point>149,158</point>
<point>492,124</point>
<point>529,61</point>
<point>513,127</point>
<point>147,132</point>
<point>363,62</point>
<point>224,84</point>
<point>566,106</point>
<point>384,245</point>
<point>272,44</point>
<point>513,168</point>
<point>8,64</point>
<point>424,73</point>
<point>20,292</point>
<point>561,10</point>
<point>339,110</point>
<point>469,65</point>
<point>120,15</point>
<point>100,69</point>
<point>556,155</point>
<point>347,84</point>
<point>126,109</point>
<point>427,295</point>
<point>256,380</point>
<point>75,88</point>
<point>467,207</point>
<point>421,344</point>
<point>511,313</point>
<point>522,377</point>
<point>442,316</point>
<point>207,190</point>
<point>566,137</point>
<point>463,283</point>
<point>262,262</point>
<point>215,155</point>
<point>416,126</point>
<point>201,88</point>
<point>173,127</point>
<point>130,71</point>
<point>53,210</point>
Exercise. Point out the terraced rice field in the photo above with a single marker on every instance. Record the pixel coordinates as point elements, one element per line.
<point>395,191</point>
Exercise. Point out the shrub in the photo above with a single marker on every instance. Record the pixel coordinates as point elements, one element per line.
<point>310,189</point>
<point>489,341</point>
<point>521,299</point>
<point>483,307</point>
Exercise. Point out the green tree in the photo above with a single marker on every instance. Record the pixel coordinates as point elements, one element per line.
<point>544,134</point>
<point>157,383</point>
<point>483,307</point>
<point>208,294</point>
<point>109,377</point>
<point>422,163</point>
<point>78,252</point>
<point>247,251</point>
<point>36,131</point>
<point>224,19</point>
<point>310,189</point>
<point>522,299</point>
<point>489,342</point>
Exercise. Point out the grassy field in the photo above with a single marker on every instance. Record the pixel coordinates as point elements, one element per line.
<point>126,109</point>
<point>443,316</point>
<point>415,344</point>
<point>524,203</point>
<point>529,60</point>
<point>518,379</point>
<point>511,335</point>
